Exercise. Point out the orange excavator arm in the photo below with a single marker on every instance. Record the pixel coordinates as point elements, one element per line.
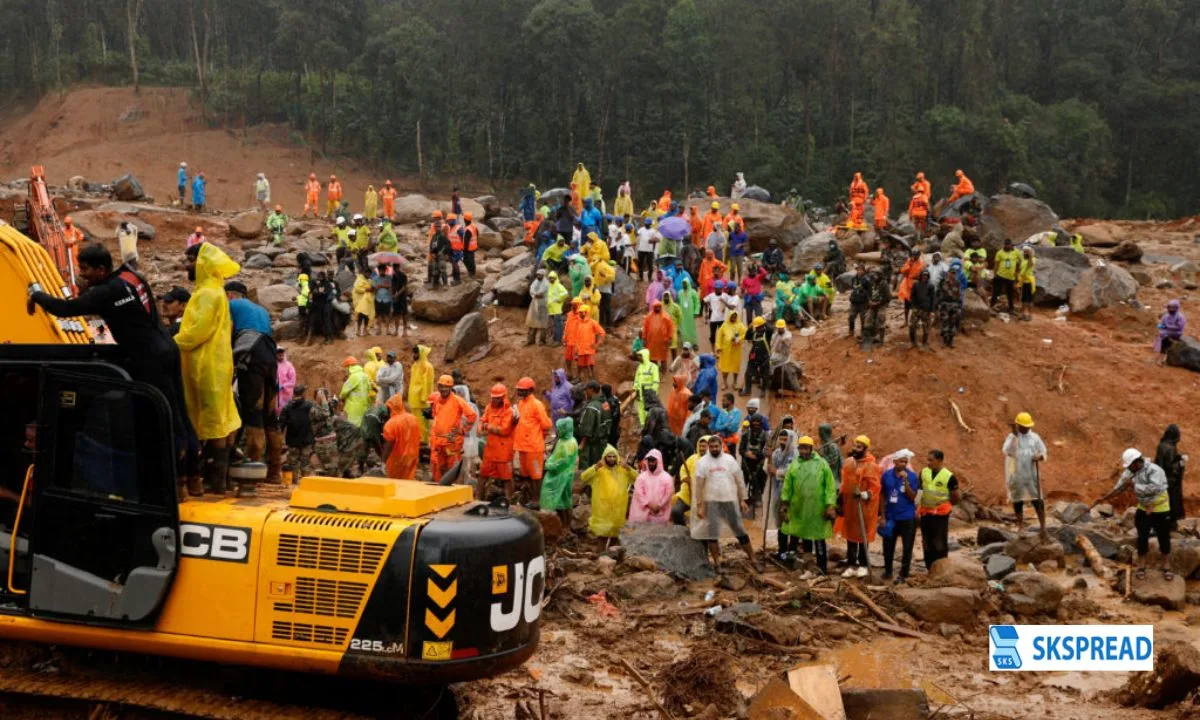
<point>48,230</point>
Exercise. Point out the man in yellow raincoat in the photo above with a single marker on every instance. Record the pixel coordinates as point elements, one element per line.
<point>610,480</point>
<point>356,392</point>
<point>420,387</point>
<point>730,338</point>
<point>371,203</point>
<point>206,353</point>
<point>583,181</point>
<point>371,368</point>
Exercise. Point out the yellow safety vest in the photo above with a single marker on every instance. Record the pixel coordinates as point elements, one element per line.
<point>935,490</point>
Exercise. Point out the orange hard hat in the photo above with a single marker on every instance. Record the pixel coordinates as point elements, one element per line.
<point>445,381</point>
<point>278,208</point>
<point>452,217</point>
<point>350,360</point>
<point>199,229</point>
<point>333,177</point>
<point>437,214</point>
<point>525,383</point>
<point>468,217</point>
<point>499,391</point>
<point>68,220</point>
<point>958,173</point>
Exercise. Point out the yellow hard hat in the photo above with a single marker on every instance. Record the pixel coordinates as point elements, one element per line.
<point>1024,420</point>
<point>863,440</point>
<point>716,205</point>
<point>758,321</point>
<point>805,440</point>
<point>735,206</point>
<point>781,324</point>
<point>302,277</point>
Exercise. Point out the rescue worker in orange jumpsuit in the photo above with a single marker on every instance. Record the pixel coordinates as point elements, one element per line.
<point>451,417</point>
<point>333,195</point>
<point>963,188</point>
<point>312,195</point>
<point>658,331</point>
<point>734,217</point>
<point>664,202</point>
<point>388,195</point>
<point>498,426</point>
<point>401,441</point>
<point>858,188</point>
<point>918,211</point>
<point>857,214</point>
<point>922,186</point>
<point>586,335</point>
<point>711,220</point>
<point>529,440</point>
<point>73,237</point>
<point>882,205</point>
<point>711,192</point>
<point>697,224</point>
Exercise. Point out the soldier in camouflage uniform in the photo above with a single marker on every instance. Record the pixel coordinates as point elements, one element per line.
<point>372,431</point>
<point>950,306</point>
<point>324,436</point>
<point>891,260</point>
<point>351,448</point>
<point>877,303</point>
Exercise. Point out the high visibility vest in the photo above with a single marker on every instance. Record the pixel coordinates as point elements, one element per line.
<point>472,237</point>
<point>302,296</point>
<point>456,239</point>
<point>343,236</point>
<point>935,490</point>
<point>646,377</point>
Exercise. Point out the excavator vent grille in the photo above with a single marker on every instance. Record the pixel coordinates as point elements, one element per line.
<point>308,633</point>
<point>331,598</point>
<point>338,521</point>
<point>332,554</point>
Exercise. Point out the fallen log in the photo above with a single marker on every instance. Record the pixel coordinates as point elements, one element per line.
<point>902,631</point>
<point>641,680</point>
<point>867,602</point>
<point>1092,556</point>
<point>958,416</point>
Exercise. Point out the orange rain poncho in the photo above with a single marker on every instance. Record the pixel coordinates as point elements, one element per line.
<point>532,425</point>
<point>922,186</point>
<point>658,330</point>
<point>711,192</point>
<point>857,213</point>
<point>911,270</point>
<point>711,220</point>
<point>335,191</point>
<point>963,188</point>
<point>708,268</point>
<point>576,199</point>
<point>734,217</point>
<point>404,434</point>
<point>859,475</point>
<point>312,194</point>
<point>664,202</point>
<point>882,204</point>
<point>677,405</point>
<point>388,196</point>
<point>858,188</point>
<point>587,334</point>
<point>498,427</point>
<point>918,210</point>
<point>697,223</point>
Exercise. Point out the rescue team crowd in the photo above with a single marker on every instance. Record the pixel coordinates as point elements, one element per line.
<point>699,460</point>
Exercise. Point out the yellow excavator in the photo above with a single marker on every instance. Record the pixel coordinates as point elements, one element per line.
<point>398,580</point>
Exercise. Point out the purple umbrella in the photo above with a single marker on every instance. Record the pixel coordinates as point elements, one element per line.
<point>675,228</point>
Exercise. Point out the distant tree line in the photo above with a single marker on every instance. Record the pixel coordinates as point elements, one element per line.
<point>1096,103</point>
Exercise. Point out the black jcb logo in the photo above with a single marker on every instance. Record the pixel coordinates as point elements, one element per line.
<point>215,542</point>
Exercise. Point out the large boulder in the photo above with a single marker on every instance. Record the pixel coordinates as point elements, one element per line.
<point>446,303</point>
<point>416,208</point>
<point>957,571</point>
<point>1154,589</point>
<point>1128,251</point>
<point>312,241</point>
<point>670,547</point>
<point>1185,354</point>
<point>764,221</point>
<point>101,225</point>
<point>952,605</point>
<point>626,300</point>
<point>1031,593</point>
<point>755,192</point>
<point>1062,254</point>
<point>1058,271</point>
<point>257,262</point>
<point>500,224</point>
<point>512,289</point>
<point>489,239</point>
<point>1008,216</point>
<point>976,308</point>
<point>277,297</point>
<point>1102,286</point>
<point>1030,548</point>
<point>127,188</point>
<point>1000,566</point>
<point>470,333</point>
<point>1104,235</point>
<point>491,206</point>
<point>810,252</point>
<point>247,225</point>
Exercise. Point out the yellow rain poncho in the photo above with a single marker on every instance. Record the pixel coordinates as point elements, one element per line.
<point>730,336</point>
<point>370,203</point>
<point>610,494</point>
<point>371,367</point>
<point>356,394</point>
<point>206,348</point>
<point>364,298</point>
<point>420,387</point>
<point>583,181</point>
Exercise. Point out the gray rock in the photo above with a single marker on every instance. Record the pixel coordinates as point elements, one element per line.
<point>127,188</point>
<point>270,251</point>
<point>810,252</point>
<point>287,330</point>
<point>1107,547</point>
<point>1006,216</point>
<point>512,290</point>
<point>957,571</point>
<point>754,192</point>
<point>1071,513</point>
<point>516,262</point>
<point>670,546</point>
<point>512,252</point>
<point>489,239</point>
<point>247,225</point>
<point>1102,286</point>
<point>470,333</point>
<point>976,308</point>
<point>345,280</point>
<point>1156,590</point>
<point>446,304</point>
<point>941,605</point>
<point>276,298</point>
<point>1066,255</point>
<point>491,205</point>
<point>999,566</point>
<point>1128,251</point>
<point>500,224</point>
<point>1030,548</point>
<point>1185,354</point>
<point>764,221</point>
<point>1031,593</point>
<point>644,585</point>
<point>1143,278</point>
<point>290,313</point>
<point>626,300</point>
<point>1056,279</point>
<point>986,535</point>
<point>987,551</point>
<point>257,262</point>
<point>845,281</point>
<point>285,260</point>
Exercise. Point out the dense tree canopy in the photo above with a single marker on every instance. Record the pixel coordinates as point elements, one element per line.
<point>1096,103</point>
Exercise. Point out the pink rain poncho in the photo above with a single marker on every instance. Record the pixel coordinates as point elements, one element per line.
<point>652,493</point>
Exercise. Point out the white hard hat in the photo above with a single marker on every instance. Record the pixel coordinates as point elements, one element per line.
<point>182,164</point>
<point>341,221</point>
<point>1130,456</point>
<point>358,216</point>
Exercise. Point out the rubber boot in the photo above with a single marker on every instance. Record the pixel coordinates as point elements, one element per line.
<point>195,486</point>
<point>275,457</point>
<point>181,491</point>
<point>246,489</point>
<point>216,471</point>
<point>256,443</point>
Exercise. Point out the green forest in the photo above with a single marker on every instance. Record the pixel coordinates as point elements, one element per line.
<point>1096,103</point>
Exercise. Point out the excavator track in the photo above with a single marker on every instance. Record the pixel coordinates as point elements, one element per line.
<point>36,681</point>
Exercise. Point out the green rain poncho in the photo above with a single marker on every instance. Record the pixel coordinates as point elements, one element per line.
<point>560,468</point>
<point>578,271</point>
<point>610,494</point>
<point>676,313</point>
<point>808,488</point>
<point>689,304</point>
<point>387,238</point>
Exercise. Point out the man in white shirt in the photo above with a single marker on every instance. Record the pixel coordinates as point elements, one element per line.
<point>719,499</point>
<point>718,310</point>
<point>647,243</point>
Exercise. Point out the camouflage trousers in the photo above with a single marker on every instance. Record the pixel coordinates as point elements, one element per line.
<point>950,318</point>
<point>300,458</point>
<point>875,322</point>
<point>919,320</point>
<point>327,454</point>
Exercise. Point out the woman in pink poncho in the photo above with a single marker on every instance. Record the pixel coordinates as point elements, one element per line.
<point>652,492</point>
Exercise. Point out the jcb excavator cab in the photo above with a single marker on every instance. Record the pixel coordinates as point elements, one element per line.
<point>400,580</point>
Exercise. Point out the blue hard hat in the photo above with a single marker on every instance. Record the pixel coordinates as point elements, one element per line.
<point>649,221</point>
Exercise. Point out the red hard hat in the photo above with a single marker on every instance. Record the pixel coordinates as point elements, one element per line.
<point>526,383</point>
<point>499,391</point>
<point>350,360</point>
